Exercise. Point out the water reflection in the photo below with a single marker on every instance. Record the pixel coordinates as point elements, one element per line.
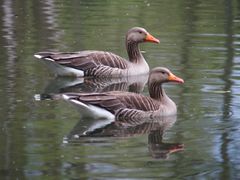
<point>154,128</point>
<point>9,47</point>
<point>227,99</point>
<point>91,84</point>
<point>50,13</point>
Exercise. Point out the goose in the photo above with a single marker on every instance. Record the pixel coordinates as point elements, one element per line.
<point>101,63</point>
<point>128,105</point>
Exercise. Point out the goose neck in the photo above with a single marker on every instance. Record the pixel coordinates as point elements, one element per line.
<point>156,91</point>
<point>133,51</point>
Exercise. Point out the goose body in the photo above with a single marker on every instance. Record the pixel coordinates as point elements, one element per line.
<point>128,105</point>
<point>101,63</point>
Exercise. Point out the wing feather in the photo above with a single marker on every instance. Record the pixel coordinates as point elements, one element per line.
<point>115,101</point>
<point>86,59</point>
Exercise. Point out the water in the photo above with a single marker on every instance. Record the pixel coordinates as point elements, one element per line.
<point>199,42</point>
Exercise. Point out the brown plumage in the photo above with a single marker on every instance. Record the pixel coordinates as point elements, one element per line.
<point>101,63</point>
<point>117,104</point>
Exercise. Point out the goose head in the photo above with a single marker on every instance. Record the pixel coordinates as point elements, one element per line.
<point>138,34</point>
<point>161,75</point>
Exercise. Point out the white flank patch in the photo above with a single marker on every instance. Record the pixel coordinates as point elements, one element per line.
<point>88,110</point>
<point>65,97</point>
<point>63,70</point>
<point>37,56</point>
<point>100,112</point>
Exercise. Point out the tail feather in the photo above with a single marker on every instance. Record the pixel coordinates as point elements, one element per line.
<point>44,55</point>
<point>60,70</point>
<point>42,97</point>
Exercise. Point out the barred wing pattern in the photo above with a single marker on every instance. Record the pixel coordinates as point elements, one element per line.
<point>127,104</point>
<point>93,63</point>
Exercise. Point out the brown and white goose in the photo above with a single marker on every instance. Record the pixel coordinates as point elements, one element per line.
<point>101,63</point>
<point>128,105</point>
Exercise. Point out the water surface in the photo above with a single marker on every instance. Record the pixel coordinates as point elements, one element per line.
<point>200,42</point>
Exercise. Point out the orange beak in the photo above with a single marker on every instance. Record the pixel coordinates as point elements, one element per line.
<point>150,38</point>
<point>174,78</point>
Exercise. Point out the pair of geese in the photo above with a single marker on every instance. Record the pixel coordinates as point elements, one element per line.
<point>116,104</point>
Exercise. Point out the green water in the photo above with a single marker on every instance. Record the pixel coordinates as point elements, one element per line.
<point>200,42</point>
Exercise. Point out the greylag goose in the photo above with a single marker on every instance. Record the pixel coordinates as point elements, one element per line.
<point>128,105</point>
<point>101,63</point>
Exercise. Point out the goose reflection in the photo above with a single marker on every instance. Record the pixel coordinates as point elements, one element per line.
<point>93,84</point>
<point>154,128</point>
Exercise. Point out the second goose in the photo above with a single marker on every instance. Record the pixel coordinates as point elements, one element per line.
<point>128,105</point>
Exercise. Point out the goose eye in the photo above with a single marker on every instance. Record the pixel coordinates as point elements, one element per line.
<point>140,32</point>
